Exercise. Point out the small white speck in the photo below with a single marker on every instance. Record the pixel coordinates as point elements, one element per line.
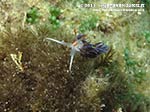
<point>103,105</point>
<point>33,88</point>
<point>96,89</point>
<point>139,13</point>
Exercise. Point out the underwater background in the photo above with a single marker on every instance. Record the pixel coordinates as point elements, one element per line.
<point>34,72</point>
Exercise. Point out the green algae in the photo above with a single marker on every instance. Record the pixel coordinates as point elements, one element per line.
<point>113,81</point>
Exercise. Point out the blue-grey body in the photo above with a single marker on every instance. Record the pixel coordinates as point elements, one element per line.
<point>85,48</point>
